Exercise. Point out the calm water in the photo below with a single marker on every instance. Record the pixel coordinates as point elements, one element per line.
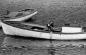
<point>34,46</point>
<point>58,9</point>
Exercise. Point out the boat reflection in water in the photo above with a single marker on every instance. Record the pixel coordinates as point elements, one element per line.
<point>44,47</point>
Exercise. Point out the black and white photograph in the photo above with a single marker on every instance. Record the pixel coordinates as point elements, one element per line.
<point>42,27</point>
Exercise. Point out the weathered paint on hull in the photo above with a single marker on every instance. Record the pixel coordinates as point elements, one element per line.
<point>27,33</point>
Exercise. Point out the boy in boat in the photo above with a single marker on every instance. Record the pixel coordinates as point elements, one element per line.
<point>50,26</point>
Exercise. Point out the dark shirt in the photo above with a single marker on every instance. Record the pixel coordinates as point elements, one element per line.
<point>50,26</point>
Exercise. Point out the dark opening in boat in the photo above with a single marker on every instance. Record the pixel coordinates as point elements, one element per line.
<point>67,24</point>
<point>37,28</point>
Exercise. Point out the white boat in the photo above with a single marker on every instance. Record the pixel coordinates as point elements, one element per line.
<point>25,16</point>
<point>37,31</point>
<point>19,16</point>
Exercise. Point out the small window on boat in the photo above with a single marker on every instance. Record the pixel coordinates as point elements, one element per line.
<point>37,28</point>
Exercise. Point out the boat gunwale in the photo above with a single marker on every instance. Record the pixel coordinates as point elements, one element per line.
<point>44,31</point>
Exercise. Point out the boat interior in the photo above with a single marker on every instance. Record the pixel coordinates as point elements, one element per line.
<point>30,26</point>
<point>13,15</point>
<point>36,27</point>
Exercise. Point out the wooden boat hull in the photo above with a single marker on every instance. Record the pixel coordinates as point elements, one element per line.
<point>11,30</point>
